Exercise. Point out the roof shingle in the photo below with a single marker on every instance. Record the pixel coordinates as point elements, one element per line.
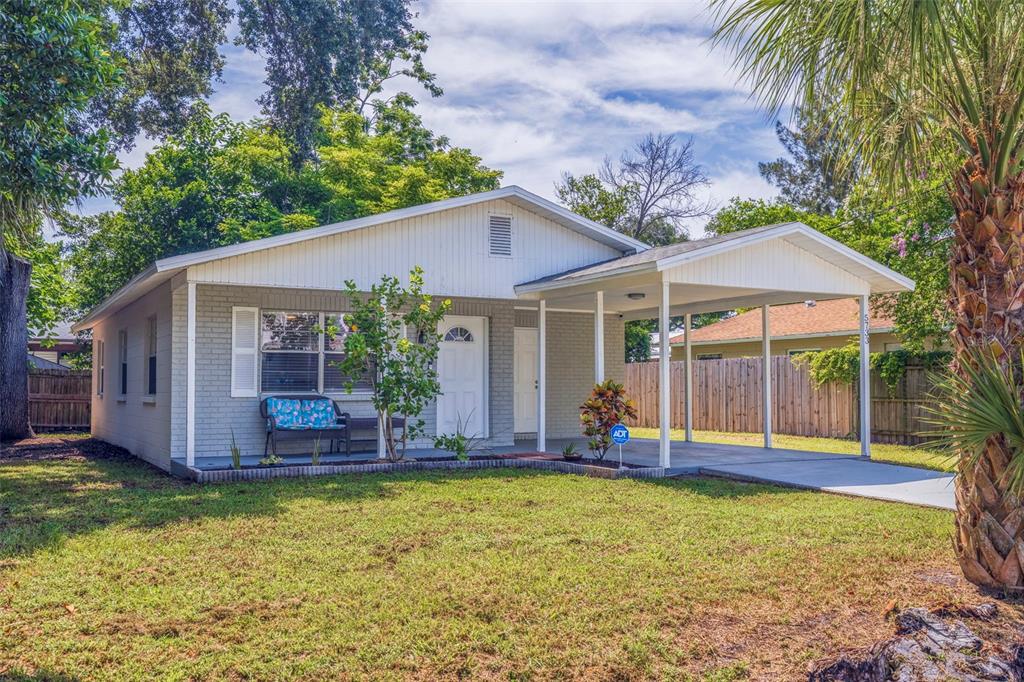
<point>795,319</point>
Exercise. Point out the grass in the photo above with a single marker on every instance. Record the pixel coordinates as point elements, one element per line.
<point>112,570</point>
<point>909,455</point>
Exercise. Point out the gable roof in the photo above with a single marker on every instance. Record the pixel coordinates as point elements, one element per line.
<point>165,268</point>
<point>512,193</point>
<point>824,318</point>
<point>663,257</point>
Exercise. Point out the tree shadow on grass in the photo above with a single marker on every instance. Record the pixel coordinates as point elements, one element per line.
<point>719,488</point>
<point>49,496</point>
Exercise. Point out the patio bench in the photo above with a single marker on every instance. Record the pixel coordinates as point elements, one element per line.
<point>364,430</point>
<point>304,417</point>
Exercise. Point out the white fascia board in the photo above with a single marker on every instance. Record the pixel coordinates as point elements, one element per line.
<point>594,230</point>
<point>787,337</point>
<point>111,301</point>
<point>174,264</point>
<point>904,283</point>
<point>596,277</point>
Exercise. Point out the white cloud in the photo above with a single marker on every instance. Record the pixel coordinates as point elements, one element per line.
<point>538,88</point>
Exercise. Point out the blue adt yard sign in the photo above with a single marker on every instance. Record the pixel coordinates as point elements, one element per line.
<point>620,434</point>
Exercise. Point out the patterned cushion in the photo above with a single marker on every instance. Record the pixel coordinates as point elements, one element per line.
<point>287,413</point>
<point>317,414</point>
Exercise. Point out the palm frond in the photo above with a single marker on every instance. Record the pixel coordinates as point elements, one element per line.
<point>977,405</point>
<point>913,80</point>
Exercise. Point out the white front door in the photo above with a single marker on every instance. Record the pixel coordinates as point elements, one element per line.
<point>525,370</point>
<point>461,369</point>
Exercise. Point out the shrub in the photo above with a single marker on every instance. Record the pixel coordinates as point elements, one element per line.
<point>606,407</point>
<point>402,374</point>
<point>459,443</point>
<point>236,453</point>
<point>315,456</point>
<point>843,364</point>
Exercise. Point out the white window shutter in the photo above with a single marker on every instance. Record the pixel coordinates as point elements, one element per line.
<point>244,335</point>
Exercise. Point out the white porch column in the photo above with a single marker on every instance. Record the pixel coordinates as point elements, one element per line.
<point>688,327</point>
<point>766,375</point>
<point>190,376</point>
<point>542,351</point>
<point>865,381</point>
<point>664,360</point>
<point>599,339</point>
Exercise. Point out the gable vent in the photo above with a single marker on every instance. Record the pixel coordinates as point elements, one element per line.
<point>500,227</point>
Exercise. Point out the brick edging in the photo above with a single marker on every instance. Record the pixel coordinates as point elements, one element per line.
<point>264,473</point>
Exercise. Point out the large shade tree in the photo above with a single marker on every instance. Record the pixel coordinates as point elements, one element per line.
<point>53,62</point>
<point>221,182</point>
<point>932,89</point>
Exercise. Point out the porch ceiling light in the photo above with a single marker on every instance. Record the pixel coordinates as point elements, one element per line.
<point>636,295</point>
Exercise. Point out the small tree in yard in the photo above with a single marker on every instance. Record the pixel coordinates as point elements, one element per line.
<point>402,374</point>
<point>606,407</point>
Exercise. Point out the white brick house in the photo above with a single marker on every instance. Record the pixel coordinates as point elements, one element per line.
<point>186,350</point>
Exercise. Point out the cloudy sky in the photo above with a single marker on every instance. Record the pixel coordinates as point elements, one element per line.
<point>538,88</point>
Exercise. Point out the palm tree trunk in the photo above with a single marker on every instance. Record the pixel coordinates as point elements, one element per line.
<point>987,297</point>
<point>15,274</point>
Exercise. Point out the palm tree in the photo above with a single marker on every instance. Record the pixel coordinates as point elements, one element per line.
<point>930,88</point>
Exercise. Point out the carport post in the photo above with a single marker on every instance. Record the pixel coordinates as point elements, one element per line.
<point>599,339</point>
<point>865,381</point>
<point>542,344</point>
<point>688,327</point>
<point>766,375</point>
<point>190,375</point>
<point>664,358</point>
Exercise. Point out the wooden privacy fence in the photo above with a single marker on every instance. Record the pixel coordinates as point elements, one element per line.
<point>59,399</point>
<point>727,397</point>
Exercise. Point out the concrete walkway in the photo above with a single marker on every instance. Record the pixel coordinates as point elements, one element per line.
<point>846,474</point>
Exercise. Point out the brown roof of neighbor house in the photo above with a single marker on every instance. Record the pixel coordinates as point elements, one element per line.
<point>795,319</point>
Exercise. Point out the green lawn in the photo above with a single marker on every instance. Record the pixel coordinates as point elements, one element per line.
<point>111,570</point>
<point>916,456</point>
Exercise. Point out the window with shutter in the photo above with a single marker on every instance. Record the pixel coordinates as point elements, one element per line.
<point>244,335</point>
<point>500,233</point>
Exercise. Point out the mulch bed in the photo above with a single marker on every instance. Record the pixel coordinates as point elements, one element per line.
<point>606,464</point>
<point>44,447</point>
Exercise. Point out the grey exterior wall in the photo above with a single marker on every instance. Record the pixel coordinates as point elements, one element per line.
<point>155,431</point>
<point>570,364</point>
<point>136,421</point>
<point>217,413</point>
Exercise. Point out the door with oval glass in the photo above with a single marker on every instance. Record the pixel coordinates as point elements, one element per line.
<point>462,370</point>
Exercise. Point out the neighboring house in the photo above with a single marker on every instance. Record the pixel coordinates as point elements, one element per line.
<point>795,328</point>
<point>36,362</point>
<point>184,352</point>
<point>47,351</point>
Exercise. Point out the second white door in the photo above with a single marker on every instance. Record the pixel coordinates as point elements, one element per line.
<point>525,370</point>
<point>461,368</point>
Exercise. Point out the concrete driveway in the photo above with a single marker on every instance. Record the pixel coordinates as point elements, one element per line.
<point>846,474</point>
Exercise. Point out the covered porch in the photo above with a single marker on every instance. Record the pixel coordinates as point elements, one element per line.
<point>757,268</point>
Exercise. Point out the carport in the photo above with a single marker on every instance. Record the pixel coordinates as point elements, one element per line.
<point>760,267</point>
